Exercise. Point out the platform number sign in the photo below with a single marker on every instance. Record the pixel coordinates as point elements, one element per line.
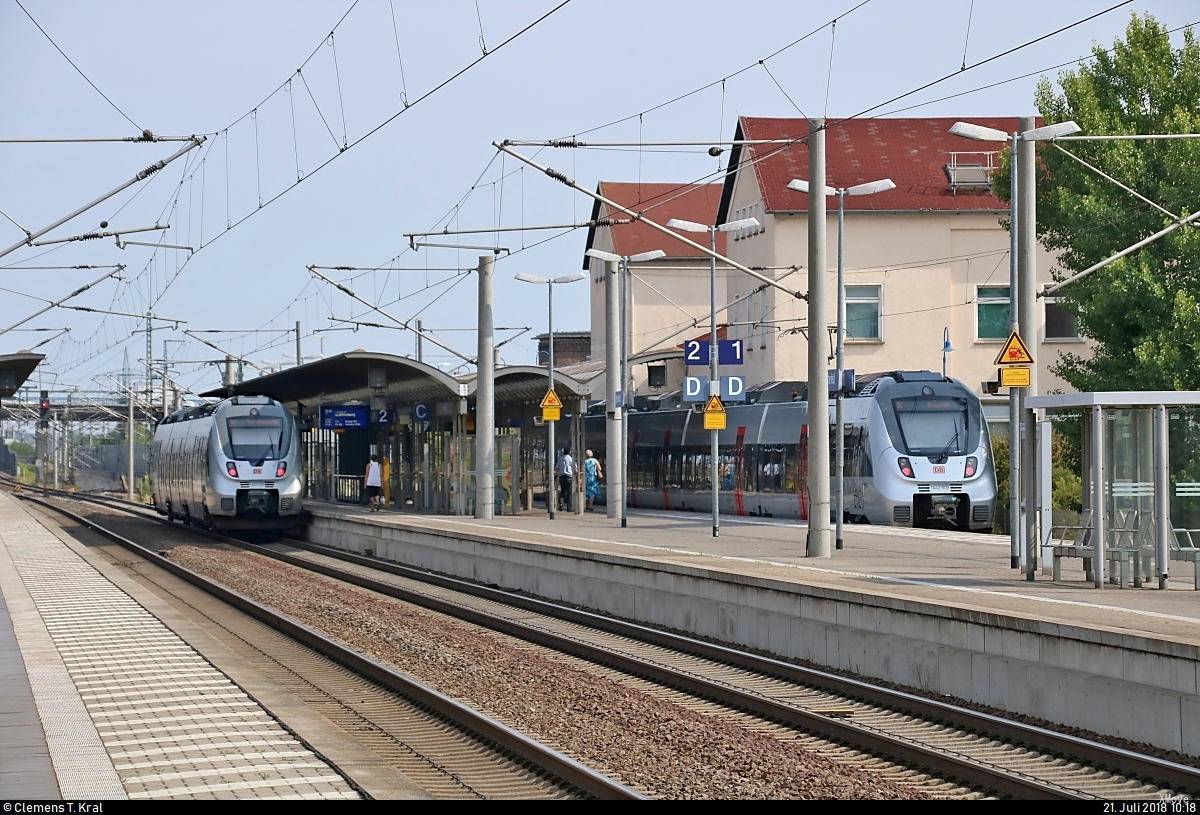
<point>383,416</point>
<point>729,352</point>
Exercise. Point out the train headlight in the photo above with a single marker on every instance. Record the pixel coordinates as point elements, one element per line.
<point>905,465</point>
<point>972,467</point>
<point>231,468</point>
<point>281,469</point>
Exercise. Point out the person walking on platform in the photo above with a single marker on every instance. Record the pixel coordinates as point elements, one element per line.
<point>565,470</point>
<point>592,473</point>
<point>373,480</point>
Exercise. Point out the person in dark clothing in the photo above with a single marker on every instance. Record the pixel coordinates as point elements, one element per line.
<point>565,470</point>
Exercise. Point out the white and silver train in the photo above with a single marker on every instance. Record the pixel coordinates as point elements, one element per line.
<point>233,464</point>
<point>917,453</point>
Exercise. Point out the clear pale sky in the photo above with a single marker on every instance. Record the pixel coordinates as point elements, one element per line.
<point>180,68</point>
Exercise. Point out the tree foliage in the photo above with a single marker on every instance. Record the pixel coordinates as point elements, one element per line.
<point>1142,312</point>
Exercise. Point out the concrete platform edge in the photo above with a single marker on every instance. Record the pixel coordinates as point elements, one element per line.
<point>1111,682</point>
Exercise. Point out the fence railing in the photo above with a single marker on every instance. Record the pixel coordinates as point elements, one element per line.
<point>348,489</point>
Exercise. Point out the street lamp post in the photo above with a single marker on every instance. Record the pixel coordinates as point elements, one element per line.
<point>549,282</point>
<point>626,339</point>
<point>947,348</point>
<point>869,188</point>
<point>714,378</point>
<point>1017,238</point>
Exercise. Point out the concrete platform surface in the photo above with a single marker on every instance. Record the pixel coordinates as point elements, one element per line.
<point>957,569</point>
<point>118,706</point>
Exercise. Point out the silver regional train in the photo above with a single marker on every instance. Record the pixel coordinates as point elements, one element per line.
<point>917,453</point>
<point>234,464</point>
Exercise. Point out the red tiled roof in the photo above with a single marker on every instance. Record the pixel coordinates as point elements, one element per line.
<point>698,204</point>
<point>911,152</point>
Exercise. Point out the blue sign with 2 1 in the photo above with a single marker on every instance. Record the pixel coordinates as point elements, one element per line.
<point>729,352</point>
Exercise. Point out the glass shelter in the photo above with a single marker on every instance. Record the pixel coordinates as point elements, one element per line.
<point>1140,466</point>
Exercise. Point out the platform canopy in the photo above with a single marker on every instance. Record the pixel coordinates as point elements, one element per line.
<point>15,369</point>
<point>348,376</point>
<point>528,383</point>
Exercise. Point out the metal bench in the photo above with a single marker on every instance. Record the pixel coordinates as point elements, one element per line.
<point>1184,548</point>
<point>1126,547</point>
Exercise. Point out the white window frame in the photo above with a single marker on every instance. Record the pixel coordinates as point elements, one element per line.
<point>979,301</point>
<point>879,304</point>
<point>1047,301</point>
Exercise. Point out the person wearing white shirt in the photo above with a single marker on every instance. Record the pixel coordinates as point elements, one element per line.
<point>373,480</point>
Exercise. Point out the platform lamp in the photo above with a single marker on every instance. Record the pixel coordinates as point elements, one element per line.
<point>868,188</point>
<point>549,283</point>
<point>624,262</point>
<point>730,226</point>
<point>1016,294</point>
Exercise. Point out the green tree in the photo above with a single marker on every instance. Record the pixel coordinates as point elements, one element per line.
<point>1142,312</point>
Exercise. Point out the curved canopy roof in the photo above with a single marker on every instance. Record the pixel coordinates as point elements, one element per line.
<point>524,383</point>
<point>15,369</point>
<point>346,376</point>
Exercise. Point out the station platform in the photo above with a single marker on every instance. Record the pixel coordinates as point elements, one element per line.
<point>937,611</point>
<point>100,700</point>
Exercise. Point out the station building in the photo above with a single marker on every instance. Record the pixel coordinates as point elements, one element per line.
<point>927,258</point>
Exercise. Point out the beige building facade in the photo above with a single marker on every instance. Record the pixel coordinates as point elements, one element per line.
<point>924,261</point>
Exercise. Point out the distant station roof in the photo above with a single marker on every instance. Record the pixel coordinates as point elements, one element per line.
<point>915,153</point>
<point>347,376</point>
<point>688,202</point>
<point>526,383</point>
<point>15,369</point>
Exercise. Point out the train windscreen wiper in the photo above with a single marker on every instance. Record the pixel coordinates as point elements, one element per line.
<point>953,443</point>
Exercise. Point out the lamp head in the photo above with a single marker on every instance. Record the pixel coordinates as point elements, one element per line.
<point>602,255</point>
<point>800,185</point>
<point>529,278</point>
<point>642,257</point>
<point>872,187</point>
<point>569,278</point>
<point>1067,128</point>
<point>741,223</point>
<point>686,226</point>
<point>978,132</point>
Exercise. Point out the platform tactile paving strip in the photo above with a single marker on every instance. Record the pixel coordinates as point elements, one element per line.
<point>173,725</point>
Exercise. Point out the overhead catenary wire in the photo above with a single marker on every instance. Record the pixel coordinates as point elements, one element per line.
<point>78,70</point>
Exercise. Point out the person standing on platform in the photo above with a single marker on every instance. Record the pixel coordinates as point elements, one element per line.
<point>565,470</point>
<point>373,479</point>
<point>592,473</point>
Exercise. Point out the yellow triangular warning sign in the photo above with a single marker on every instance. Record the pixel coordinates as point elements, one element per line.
<point>551,400</point>
<point>1014,352</point>
<point>713,405</point>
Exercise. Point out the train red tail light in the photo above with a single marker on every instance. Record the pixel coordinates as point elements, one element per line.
<point>231,468</point>
<point>905,465</point>
<point>281,469</point>
<point>972,467</point>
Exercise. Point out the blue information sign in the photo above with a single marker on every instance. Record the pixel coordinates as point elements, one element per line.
<point>343,416</point>
<point>729,352</point>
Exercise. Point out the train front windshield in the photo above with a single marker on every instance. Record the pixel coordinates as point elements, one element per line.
<point>934,426</point>
<point>257,438</point>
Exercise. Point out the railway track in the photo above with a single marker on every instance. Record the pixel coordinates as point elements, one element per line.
<point>984,751</point>
<point>449,748</point>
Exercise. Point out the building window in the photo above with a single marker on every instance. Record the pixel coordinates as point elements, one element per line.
<point>992,317</point>
<point>862,313</point>
<point>657,375</point>
<point>1060,321</point>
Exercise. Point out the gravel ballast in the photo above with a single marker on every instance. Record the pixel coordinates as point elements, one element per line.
<point>662,748</point>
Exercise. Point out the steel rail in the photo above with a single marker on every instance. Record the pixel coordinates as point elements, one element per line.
<point>490,730</point>
<point>1127,762</point>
